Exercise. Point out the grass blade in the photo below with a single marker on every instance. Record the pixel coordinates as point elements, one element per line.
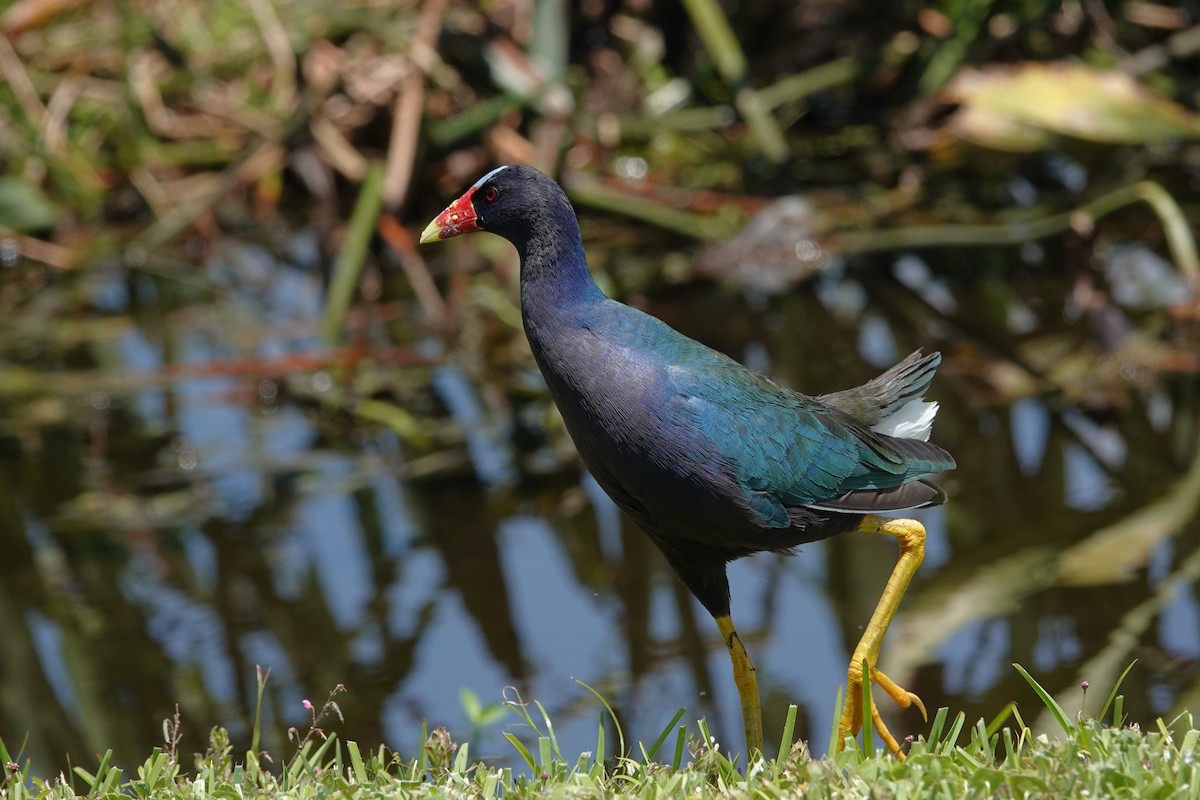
<point>1047,700</point>
<point>662,737</point>
<point>522,750</point>
<point>785,742</point>
<point>461,757</point>
<point>834,740</point>
<point>549,730</point>
<point>1010,750</point>
<point>939,723</point>
<point>1112,696</point>
<point>680,742</point>
<point>955,731</point>
<point>256,735</point>
<point>423,754</point>
<point>616,722</point>
<point>356,762</point>
<point>1001,718</point>
<point>600,754</point>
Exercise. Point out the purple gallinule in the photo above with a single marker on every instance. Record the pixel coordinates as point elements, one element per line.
<point>712,460</point>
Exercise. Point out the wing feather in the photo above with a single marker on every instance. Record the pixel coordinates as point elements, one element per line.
<point>786,450</point>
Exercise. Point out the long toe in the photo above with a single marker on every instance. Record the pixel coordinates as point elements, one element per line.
<point>885,734</point>
<point>852,708</point>
<point>902,696</point>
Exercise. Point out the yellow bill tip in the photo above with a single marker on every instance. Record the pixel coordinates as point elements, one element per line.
<point>432,233</point>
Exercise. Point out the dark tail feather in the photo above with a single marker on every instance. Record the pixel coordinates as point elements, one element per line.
<point>918,494</point>
<point>880,397</point>
<point>921,456</point>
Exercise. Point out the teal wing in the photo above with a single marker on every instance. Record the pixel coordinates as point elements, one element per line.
<point>784,449</point>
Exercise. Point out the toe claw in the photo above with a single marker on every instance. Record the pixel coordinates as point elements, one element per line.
<point>916,701</point>
<point>852,711</point>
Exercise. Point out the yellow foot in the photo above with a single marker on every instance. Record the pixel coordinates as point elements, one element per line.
<point>911,537</point>
<point>852,709</point>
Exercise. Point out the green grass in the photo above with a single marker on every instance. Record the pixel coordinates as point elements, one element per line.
<point>1088,758</point>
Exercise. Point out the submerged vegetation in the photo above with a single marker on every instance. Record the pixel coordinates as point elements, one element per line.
<point>243,420</point>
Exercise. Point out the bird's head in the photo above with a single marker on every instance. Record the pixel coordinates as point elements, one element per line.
<point>510,201</point>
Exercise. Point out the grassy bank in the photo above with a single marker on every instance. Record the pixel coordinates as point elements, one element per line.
<point>1086,758</point>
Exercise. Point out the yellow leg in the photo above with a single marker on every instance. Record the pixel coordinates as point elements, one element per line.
<point>911,537</point>
<point>746,678</point>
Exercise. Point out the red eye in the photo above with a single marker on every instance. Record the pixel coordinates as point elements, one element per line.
<point>491,193</point>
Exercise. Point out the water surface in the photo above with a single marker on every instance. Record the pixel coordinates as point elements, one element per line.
<point>187,494</point>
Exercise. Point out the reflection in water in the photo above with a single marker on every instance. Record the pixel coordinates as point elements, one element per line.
<point>165,535</point>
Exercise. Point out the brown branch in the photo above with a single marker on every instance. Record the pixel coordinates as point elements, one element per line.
<point>406,121</point>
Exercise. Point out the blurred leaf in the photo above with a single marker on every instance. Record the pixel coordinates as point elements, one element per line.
<point>1140,278</point>
<point>964,20</point>
<point>1016,108</point>
<point>25,14</point>
<point>998,132</point>
<point>1115,553</point>
<point>479,715</point>
<point>551,33</point>
<point>24,207</point>
<point>346,272</point>
<point>398,419</point>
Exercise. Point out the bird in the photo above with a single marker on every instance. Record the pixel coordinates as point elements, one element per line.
<point>712,460</point>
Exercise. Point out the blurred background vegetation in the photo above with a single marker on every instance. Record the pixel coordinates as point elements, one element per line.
<point>243,421</point>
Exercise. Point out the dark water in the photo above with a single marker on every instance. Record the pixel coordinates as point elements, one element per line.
<point>183,497</point>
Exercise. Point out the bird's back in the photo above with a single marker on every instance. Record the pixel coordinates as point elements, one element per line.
<point>692,443</point>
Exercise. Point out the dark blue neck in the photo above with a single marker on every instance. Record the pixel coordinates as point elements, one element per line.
<point>554,270</point>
